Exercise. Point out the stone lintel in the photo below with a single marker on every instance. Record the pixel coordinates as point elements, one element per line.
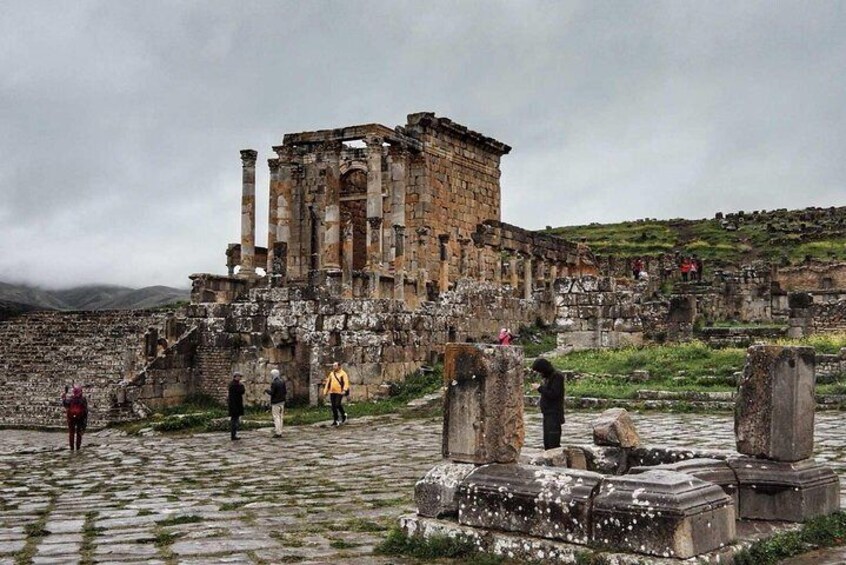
<point>351,133</point>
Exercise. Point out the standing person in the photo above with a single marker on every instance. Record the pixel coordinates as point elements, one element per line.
<point>551,402</point>
<point>637,267</point>
<point>505,336</point>
<point>278,395</point>
<point>235,402</point>
<point>77,413</point>
<point>337,386</point>
<point>699,266</point>
<point>685,268</point>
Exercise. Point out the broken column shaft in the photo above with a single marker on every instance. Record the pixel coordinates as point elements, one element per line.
<point>248,213</point>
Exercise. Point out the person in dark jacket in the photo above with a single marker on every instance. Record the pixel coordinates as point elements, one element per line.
<point>235,402</point>
<point>551,392</point>
<point>76,408</point>
<point>278,395</point>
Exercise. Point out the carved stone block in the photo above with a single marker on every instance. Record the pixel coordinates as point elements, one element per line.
<point>435,492</point>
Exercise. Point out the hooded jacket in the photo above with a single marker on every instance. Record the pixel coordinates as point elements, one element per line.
<point>552,388</point>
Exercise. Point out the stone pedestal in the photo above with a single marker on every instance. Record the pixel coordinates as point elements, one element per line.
<point>774,411</point>
<point>540,501</point>
<point>435,493</point>
<point>791,491</point>
<point>483,404</point>
<point>711,470</point>
<point>662,513</point>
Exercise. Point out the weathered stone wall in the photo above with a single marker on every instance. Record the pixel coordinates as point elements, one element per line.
<point>591,312</point>
<point>42,352</point>
<point>807,316</point>
<point>812,276</point>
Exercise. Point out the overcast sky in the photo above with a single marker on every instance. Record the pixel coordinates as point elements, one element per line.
<point>121,122</point>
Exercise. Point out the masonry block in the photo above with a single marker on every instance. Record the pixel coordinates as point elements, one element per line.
<point>662,513</point>
<point>783,490</point>
<point>483,404</point>
<point>541,501</point>
<point>774,411</point>
<point>435,493</point>
<point>711,470</point>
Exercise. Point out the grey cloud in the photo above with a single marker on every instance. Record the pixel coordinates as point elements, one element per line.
<point>121,121</point>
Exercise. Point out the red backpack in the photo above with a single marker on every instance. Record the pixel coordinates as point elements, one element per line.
<point>76,408</point>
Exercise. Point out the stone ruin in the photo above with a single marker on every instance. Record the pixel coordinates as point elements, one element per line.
<point>618,496</point>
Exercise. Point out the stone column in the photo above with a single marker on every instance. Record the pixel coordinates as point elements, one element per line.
<point>512,271</point>
<point>374,267</point>
<point>374,203</point>
<point>527,277</point>
<point>399,262</point>
<point>497,274</point>
<point>420,260</point>
<point>443,281</point>
<point>347,259</point>
<point>462,258</point>
<point>481,266</point>
<point>273,165</point>
<point>332,209</point>
<point>553,273</point>
<point>248,213</point>
<point>283,195</point>
<point>398,190</point>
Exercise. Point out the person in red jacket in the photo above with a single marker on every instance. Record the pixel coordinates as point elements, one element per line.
<point>76,408</point>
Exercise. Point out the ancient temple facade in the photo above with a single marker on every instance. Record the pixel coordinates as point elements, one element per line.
<point>368,211</point>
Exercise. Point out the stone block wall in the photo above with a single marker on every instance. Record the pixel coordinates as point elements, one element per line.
<point>807,316</point>
<point>591,312</point>
<point>42,352</point>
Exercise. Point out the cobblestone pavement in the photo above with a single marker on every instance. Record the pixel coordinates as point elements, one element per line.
<point>318,495</point>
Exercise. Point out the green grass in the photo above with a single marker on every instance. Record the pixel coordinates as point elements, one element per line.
<point>823,343</point>
<point>536,339</point>
<point>435,547</point>
<point>826,531</point>
<point>178,520</point>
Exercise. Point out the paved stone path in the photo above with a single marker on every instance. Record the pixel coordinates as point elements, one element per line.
<point>318,495</point>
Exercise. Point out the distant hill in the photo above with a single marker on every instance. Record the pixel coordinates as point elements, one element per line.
<point>780,236</point>
<point>90,297</point>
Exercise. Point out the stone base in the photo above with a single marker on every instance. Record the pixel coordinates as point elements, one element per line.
<point>520,547</point>
<point>540,501</point>
<point>434,494</point>
<point>709,470</point>
<point>793,492</point>
<point>662,513</point>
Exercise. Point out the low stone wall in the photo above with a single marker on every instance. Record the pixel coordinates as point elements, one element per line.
<point>808,316</point>
<point>739,337</point>
<point>43,352</point>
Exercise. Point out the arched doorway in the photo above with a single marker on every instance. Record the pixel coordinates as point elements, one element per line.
<point>354,210</point>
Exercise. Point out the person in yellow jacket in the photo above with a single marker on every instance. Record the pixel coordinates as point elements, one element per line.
<point>337,386</point>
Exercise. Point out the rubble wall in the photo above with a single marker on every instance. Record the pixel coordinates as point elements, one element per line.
<point>42,352</point>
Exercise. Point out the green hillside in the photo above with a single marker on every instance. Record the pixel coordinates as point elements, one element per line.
<point>781,236</point>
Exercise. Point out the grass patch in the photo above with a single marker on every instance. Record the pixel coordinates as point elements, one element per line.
<point>342,544</point>
<point>178,520</point>
<point>591,558</point>
<point>435,547</point>
<point>362,525</point>
<point>825,531</point>
<point>389,502</point>
<point>89,532</point>
<point>536,339</point>
<point>829,343</point>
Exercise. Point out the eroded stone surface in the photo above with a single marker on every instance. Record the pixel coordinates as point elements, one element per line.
<point>774,410</point>
<point>615,427</point>
<point>711,470</point>
<point>483,406</point>
<point>434,494</point>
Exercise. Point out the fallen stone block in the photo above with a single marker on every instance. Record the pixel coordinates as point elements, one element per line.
<point>662,513</point>
<point>596,458</point>
<point>555,457</point>
<point>434,494</point>
<point>483,404</point>
<point>779,490</point>
<point>774,410</point>
<point>614,427</point>
<point>540,501</point>
<point>710,470</point>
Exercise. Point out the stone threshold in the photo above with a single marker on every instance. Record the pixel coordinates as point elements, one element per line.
<point>528,548</point>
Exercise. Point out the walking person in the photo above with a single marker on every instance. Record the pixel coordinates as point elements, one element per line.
<point>278,395</point>
<point>551,392</point>
<point>235,403</point>
<point>76,408</point>
<point>337,386</point>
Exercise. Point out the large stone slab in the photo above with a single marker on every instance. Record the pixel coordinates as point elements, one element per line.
<point>615,428</point>
<point>710,470</point>
<point>662,513</point>
<point>779,490</point>
<point>546,502</point>
<point>435,492</point>
<point>483,404</point>
<point>774,410</point>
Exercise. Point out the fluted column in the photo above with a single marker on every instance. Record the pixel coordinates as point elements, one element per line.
<point>273,165</point>
<point>374,203</point>
<point>332,210</point>
<point>527,277</point>
<point>283,195</point>
<point>248,213</point>
<point>347,259</point>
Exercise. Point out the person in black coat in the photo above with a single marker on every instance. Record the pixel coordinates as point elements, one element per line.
<point>551,392</point>
<point>235,402</point>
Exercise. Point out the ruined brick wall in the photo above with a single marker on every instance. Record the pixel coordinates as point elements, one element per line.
<point>591,312</point>
<point>42,352</point>
<point>811,277</point>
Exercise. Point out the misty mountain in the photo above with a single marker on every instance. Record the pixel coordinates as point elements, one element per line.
<point>90,297</point>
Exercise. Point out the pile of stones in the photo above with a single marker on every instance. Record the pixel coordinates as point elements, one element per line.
<point>669,504</point>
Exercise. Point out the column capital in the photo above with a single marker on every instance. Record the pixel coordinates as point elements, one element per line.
<point>375,222</point>
<point>248,157</point>
<point>273,164</point>
<point>373,142</point>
